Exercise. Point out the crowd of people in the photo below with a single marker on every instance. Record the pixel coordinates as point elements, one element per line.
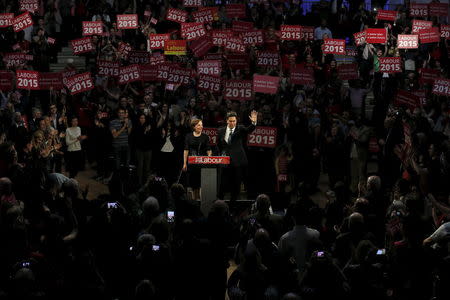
<point>383,232</point>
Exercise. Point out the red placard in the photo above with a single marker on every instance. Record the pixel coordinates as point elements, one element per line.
<point>157,58</point>
<point>430,35</point>
<point>390,64</point>
<point>238,61</point>
<point>192,3</point>
<point>209,67</point>
<point>209,83</point>
<point>16,59</point>
<point>163,72</point>
<point>192,31</point>
<point>428,75</point>
<point>92,27</point>
<point>219,37</point>
<point>49,80</point>
<point>127,21</point>
<point>108,68</point>
<point>242,26</point>
<point>82,45</point>
<point>29,5</point>
<point>235,11</point>
<point>204,15</point>
<point>408,41</point>
<point>213,56</point>
<point>66,75</point>
<point>348,71</point>
<point>22,21</point>
<point>148,72</point>
<point>175,47</point>
<point>405,98</point>
<point>212,134</point>
<point>263,136</point>
<point>6,78</point>
<point>157,40</point>
<point>209,160</point>
<point>387,15</point>
<point>51,41</point>
<point>307,33</point>
<point>6,20</point>
<point>235,44</point>
<point>360,38</point>
<point>422,94</point>
<point>80,83</point>
<point>291,32</point>
<point>28,80</point>
<point>179,75</point>
<point>441,87</point>
<point>129,74</point>
<point>139,57</point>
<point>445,31</point>
<point>124,50</point>
<point>418,10</point>
<point>267,58</point>
<point>302,76</point>
<point>265,84</point>
<point>376,35</point>
<point>418,25</point>
<point>334,46</point>
<point>238,90</point>
<point>438,9</point>
<point>176,15</point>
<point>201,46</point>
<point>253,37</point>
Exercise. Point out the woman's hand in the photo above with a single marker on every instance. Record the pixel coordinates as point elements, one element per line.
<point>184,167</point>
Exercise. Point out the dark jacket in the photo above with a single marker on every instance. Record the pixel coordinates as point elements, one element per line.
<point>236,148</point>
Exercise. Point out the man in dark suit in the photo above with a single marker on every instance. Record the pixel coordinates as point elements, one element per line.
<point>230,142</point>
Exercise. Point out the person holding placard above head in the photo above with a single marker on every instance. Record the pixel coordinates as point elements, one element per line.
<point>230,141</point>
<point>196,144</point>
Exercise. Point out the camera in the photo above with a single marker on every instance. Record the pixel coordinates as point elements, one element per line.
<point>170,216</point>
<point>112,205</point>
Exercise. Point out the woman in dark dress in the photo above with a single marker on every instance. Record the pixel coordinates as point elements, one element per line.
<point>196,143</point>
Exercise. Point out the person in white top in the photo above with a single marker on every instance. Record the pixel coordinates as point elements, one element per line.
<point>74,155</point>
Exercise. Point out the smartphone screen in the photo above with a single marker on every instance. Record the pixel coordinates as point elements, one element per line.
<point>320,254</point>
<point>112,205</point>
<point>170,216</point>
<point>155,248</point>
<point>381,251</point>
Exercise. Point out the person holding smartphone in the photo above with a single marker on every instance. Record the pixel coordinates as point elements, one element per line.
<point>196,143</point>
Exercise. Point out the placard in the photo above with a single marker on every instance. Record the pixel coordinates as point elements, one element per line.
<point>6,20</point>
<point>201,46</point>
<point>238,61</point>
<point>418,25</point>
<point>291,32</point>
<point>139,57</point>
<point>235,44</point>
<point>219,37</point>
<point>390,64</point>
<point>6,78</point>
<point>50,80</point>
<point>129,74</point>
<point>163,71</point>
<point>302,76</point>
<point>334,46</point>
<point>418,10</point>
<point>253,37</point>
<point>192,3</point>
<point>307,33</point>
<point>108,68</point>
<point>175,47</point>
<point>15,59</point>
<point>235,11</point>
<point>209,83</point>
<point>242,26</point>
<point>441,87</point>
<point>176,15</point>
<point>80,83</point>
<point>124,50</point>
<point>263,136</point>
<point>348,71</point>
<point>27,80</point>
<point>376,35</point>
<point>148,72</point>
<point>428,75</point>
<point>127,21</point>
<point>92,27</point>
<point>422,94</point>
<point>66,75</point>
<point>157,40</point>
<point>430,35</point>
<point>51,41</point>
<point>209,67</point>
<point>192,31</point>
<point>265,84</point>
<point>204,16</point>
<point>267,58</point>
<point>405,98</point>
<point>212,135</point>
<point>82,45</point>
<point>179,75</point>
<point>22,21</point>
<point>238,90</point>
<point>387,15</point>
<point>29,5</point>
<point>438,9</point>
<point>360,38</point>
<point>407,41</point>
<point>157,58</point>
<point>445,31</point>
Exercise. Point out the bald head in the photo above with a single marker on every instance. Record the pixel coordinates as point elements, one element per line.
<point>150,206</point>
<point>374,183</point>
<point>355,221</point>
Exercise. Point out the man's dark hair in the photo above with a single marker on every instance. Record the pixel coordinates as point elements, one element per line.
<point>231,114</point>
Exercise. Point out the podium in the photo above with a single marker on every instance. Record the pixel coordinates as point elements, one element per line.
<point>209,165</point>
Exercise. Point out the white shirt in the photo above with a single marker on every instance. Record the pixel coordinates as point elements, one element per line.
<point>228,132</point>
<point>167,147</point>
<point>72,134</point>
